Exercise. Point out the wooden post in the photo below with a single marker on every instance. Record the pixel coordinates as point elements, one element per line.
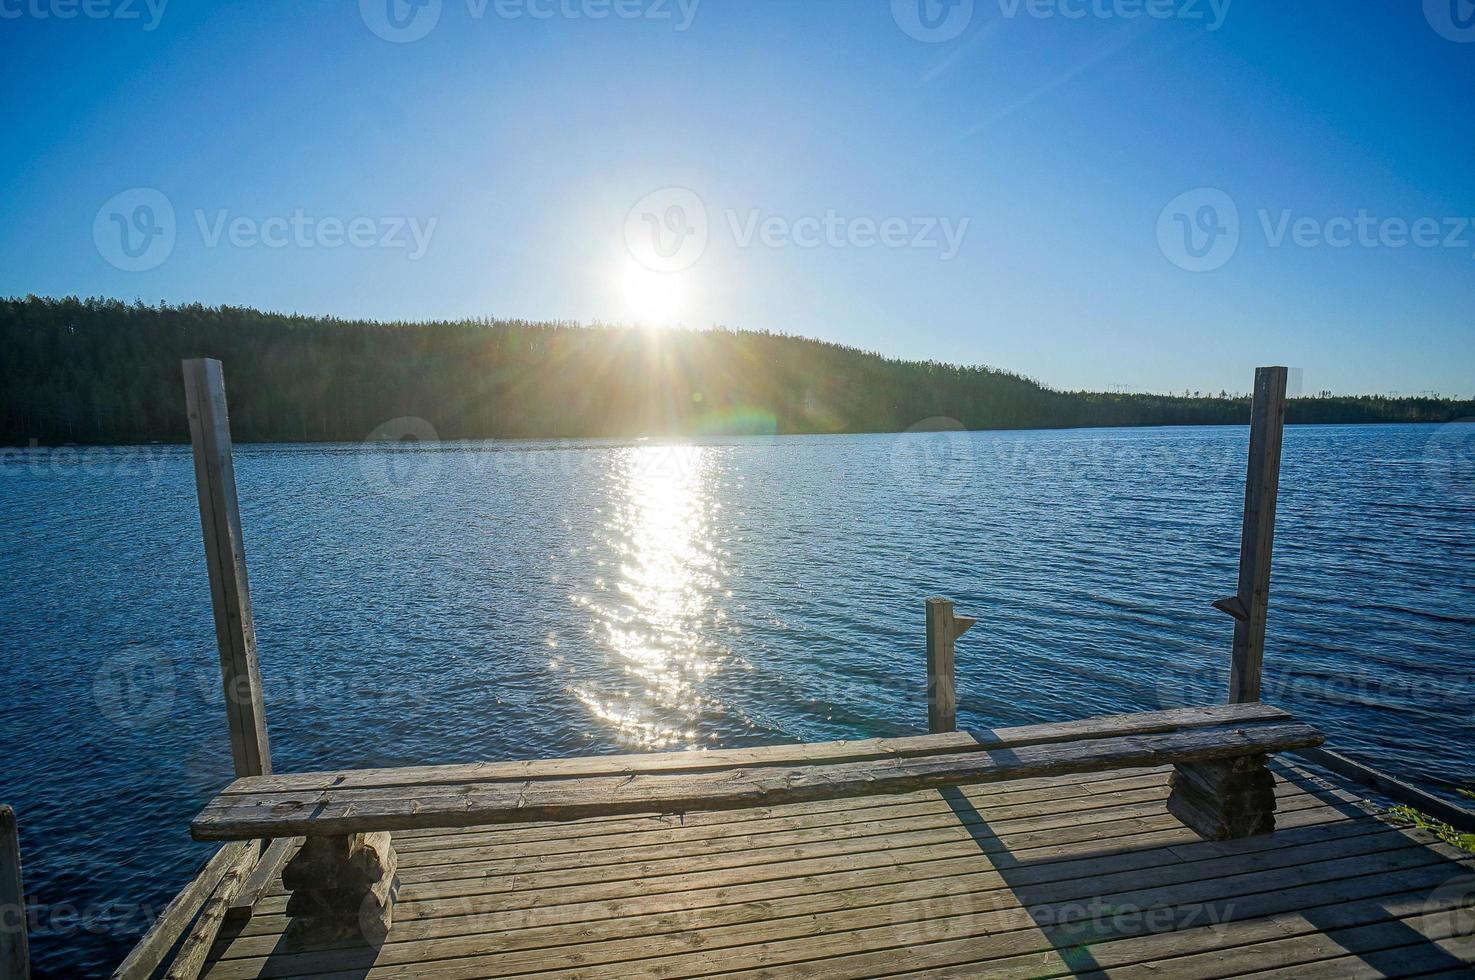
<point>1250,605</point>
<point>15,955</point>
<point>225,554</point>
<point>943,630</point>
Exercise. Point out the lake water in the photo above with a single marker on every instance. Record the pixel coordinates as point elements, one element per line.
<point>485,601</point>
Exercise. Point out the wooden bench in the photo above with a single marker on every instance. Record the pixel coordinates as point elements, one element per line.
<point>343,878</point>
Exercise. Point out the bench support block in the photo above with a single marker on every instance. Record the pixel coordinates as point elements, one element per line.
<point>1224,799</point>
<point>343,890</point>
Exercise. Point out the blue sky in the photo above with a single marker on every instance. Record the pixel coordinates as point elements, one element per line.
<point>1066,188</point>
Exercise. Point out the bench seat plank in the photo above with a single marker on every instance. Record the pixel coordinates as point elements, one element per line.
<point>1141,723</point>
<point>257,806</point>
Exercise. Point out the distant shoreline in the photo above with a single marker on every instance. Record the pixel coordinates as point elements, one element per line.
<point>9,450</point>
<point>105,373</point>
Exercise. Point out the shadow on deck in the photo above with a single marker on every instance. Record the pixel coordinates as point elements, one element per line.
<point>1082,875</point>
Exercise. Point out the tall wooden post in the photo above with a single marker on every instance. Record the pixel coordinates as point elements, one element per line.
<point>225,554</point>
<point>1251,604</point>
<point>943,630</point>
<point>15,954</point>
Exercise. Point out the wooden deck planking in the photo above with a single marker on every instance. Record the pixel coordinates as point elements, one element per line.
<point>901,843</point>
<point>889,840</point>
<point>962,882</point>
<point>966,863</point>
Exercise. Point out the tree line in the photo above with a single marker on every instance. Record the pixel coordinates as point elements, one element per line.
<point>103,371</point>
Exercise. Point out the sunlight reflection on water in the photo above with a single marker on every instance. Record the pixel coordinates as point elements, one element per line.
<point>654,617</point>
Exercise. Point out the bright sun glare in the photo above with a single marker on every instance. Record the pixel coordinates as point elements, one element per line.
<point>651,298</point>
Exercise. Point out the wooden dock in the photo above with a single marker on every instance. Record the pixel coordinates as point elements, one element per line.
<point>1157,844</point>
<point>1069,876</point>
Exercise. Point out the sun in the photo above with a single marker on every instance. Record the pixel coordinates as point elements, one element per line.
<point>651,298</point>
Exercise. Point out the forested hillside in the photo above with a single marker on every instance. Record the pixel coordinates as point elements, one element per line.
<point>100,371</point>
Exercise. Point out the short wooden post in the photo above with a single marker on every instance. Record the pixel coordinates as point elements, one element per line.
<point>943,630</point>
<point>15,954</point>
<point>1250,605</point>
<point>225,554</point>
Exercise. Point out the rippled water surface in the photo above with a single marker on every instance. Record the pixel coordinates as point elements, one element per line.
<point>486,601</point>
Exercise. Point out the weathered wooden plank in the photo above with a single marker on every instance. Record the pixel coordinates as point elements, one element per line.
<point>15,954</point>
<point>1205,952</point>
<point>1409,961</point>
<point>1076,786</point>
<point>225,556</point>
<point>1259,944</point>
<point>569,907</point>
<point>1114,788</point>
<point>877,910</point>
<point>543,927</point>
<point>1331,938</point>
<point>150,950</point>
<point>903,933</point>
<point>1002,811</point>
<point>260,878</point>
<point>943,827</point>
<point>648,830</point>
<point>659,876</point>
<point>1140,723</point>
<point>1451,813</point>
<point>899,924</point>
<point>350,811</point>
<point>1257,539</point>
<point>606,847</point>
<point>494,860</point>
<point>977,891</point>
<point>191,956</point>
